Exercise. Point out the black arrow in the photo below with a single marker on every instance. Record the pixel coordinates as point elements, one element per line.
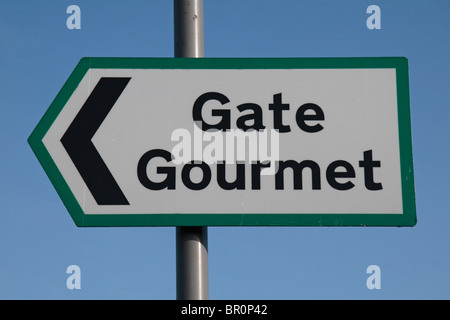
<point>78,142</point>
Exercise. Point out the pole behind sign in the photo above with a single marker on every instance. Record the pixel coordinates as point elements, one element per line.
<point>191,242</point>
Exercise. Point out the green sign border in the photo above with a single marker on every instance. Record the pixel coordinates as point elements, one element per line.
<point>408,218</point>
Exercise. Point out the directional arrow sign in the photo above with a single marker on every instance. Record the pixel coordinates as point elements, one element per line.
<point>78,142</point>
<point>217,142</point>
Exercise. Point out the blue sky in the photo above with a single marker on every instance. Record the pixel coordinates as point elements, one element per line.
<point>38,239</point>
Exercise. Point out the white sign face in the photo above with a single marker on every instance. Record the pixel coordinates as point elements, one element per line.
<point>232,141</point>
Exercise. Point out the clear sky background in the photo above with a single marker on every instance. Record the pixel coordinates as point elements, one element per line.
<point>38,239</point>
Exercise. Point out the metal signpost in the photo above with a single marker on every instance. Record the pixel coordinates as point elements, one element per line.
<point>204,142</point>
<point>191,242</point>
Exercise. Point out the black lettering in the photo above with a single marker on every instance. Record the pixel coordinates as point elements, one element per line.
<point>256,174</point>
<point>256,117</point>
<point>223,124</point>
<point>168,182</point>
<point>297,171</point>
<point>277,107</point>
<point>301,117</point>
<point>238,183</point>
<point>186,175</point>
<point>368,164</point>
<point>332,175</point>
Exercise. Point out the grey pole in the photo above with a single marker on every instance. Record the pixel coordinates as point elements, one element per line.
<point>188,28</point>
<point>192,263</point>
<point>191,242</point>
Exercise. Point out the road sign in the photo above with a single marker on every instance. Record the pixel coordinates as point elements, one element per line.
<point>231,141</point>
